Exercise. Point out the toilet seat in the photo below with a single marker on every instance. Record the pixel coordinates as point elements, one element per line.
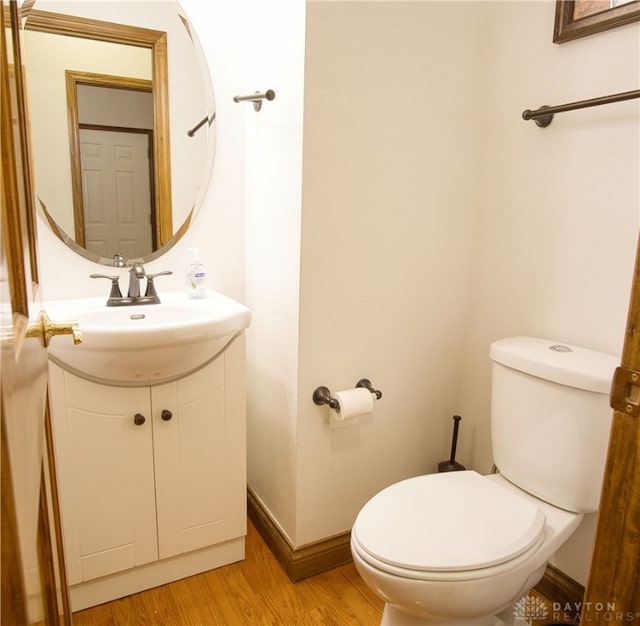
<point>446,524</point>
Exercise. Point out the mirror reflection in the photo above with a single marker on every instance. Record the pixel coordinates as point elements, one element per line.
<point>584,8</point>
<point>113,95</point>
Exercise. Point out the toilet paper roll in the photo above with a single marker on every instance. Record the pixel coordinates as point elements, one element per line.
<point>353,403</point>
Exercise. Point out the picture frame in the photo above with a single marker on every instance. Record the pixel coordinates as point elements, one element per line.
<point>569,25</point>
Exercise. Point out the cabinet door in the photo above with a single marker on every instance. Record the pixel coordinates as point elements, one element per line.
<point>105,476</point>
<point>200,456</point>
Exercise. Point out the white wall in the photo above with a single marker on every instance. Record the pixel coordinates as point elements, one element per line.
<point>380,293</point>
<point>556,230</point>
<point>390,159</point>
<point>274,184</point>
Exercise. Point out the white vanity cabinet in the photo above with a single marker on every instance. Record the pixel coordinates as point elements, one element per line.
<point>152,480</point>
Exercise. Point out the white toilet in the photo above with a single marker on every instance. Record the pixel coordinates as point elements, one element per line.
<point>461,549</point>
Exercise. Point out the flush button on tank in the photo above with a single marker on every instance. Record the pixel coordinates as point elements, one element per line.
<point>558,347</point>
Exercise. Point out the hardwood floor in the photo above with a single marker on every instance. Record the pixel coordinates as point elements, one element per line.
<point>254,592</point>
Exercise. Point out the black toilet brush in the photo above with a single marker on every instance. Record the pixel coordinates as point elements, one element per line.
<point>451,465</point>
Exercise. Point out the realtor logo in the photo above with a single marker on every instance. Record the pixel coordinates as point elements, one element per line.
<point>530,608</point>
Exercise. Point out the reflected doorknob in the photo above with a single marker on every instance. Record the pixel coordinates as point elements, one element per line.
<point>46,329</point>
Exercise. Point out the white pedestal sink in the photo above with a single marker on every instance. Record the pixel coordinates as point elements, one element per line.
<point>145,344</point>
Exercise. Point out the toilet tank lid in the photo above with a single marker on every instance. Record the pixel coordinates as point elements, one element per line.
<point>557,362</point>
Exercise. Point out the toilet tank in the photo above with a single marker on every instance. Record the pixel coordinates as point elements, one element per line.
<point>550,418</point>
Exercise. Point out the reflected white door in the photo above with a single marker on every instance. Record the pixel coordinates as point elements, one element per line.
<point>116,192</point>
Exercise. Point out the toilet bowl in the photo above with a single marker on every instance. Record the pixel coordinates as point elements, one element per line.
<point>462,549</point>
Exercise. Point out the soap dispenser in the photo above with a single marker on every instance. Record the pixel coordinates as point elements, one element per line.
<point>195,278</point>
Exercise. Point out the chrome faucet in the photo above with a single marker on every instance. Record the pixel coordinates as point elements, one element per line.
<point>136,272</point>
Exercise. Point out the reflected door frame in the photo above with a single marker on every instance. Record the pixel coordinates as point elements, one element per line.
<point>156,42</point>
<point>160,220</point>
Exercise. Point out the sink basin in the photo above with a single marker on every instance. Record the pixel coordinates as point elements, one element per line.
<point>145,344</point>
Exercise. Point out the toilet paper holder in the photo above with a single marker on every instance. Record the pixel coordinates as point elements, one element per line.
<point>322,395</point>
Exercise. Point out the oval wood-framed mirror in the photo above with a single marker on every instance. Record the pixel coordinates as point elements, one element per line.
<point>152,44</point>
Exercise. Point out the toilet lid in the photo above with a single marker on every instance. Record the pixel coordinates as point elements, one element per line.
<point>452,521</point>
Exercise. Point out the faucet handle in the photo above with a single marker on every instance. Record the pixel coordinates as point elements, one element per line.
<point>115,286</point>
<point>151,288</point>
<point>165,273</point>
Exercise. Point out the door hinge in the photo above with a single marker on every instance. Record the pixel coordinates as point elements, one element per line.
<point>625,392</point>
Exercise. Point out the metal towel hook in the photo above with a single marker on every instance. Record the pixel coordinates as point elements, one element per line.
<point>257,98</point>
<point>208,119</point>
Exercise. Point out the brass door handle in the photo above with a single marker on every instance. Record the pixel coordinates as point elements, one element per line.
<point>46,329</point>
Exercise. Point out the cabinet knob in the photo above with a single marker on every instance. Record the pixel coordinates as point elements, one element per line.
<point>166,415</point>
<point>139,419</point>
